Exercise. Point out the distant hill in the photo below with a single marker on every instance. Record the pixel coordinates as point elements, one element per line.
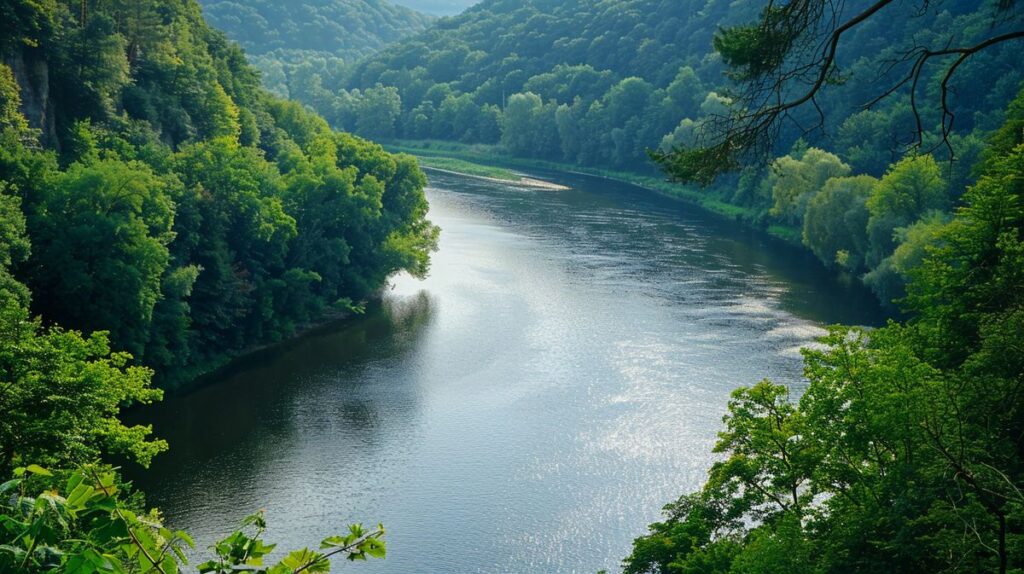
<point>598,83</point>
<point>340,28</point>
<point>634,75</point>
<point>437,7</point>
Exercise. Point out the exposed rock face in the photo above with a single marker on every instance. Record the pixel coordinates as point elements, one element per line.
<point>33,76</point>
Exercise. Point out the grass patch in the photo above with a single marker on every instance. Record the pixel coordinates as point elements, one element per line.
<point>468,168</point>
<point>787,233</point>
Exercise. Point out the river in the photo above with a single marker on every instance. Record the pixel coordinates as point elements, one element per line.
<point>529,407</point>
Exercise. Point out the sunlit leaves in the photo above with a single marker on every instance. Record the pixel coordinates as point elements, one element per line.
<point>903,452</point>
<point>80,524</point>
<point>86,523</point>
<point>63,395</point>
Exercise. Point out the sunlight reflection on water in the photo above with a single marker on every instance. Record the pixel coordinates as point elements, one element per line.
<point>557,379</point>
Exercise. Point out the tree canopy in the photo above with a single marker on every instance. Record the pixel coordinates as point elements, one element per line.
<point>903,452</point>
<point>158,194</point>
<point>347,29</point>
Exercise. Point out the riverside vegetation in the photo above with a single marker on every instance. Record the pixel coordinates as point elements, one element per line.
<point>599,84</point>
<point>161,212</point>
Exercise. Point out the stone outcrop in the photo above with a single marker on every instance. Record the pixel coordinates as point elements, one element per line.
<point>33,76</point>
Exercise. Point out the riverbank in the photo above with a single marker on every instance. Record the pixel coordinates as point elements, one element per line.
<point>550,324</point>
<point>491,156</point>
<point>199,374</point>
<point>514,179</point>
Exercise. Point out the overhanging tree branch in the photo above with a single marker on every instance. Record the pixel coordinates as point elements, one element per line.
<point>770,60</point>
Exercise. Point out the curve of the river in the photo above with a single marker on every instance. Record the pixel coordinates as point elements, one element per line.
<point>529,407</point>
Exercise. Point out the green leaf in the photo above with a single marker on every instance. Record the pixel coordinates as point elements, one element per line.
<point>80,496</point>
<point>375,548</point>
<point>9,485</point>
<point>36,469</point>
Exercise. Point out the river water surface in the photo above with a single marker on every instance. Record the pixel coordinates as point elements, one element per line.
<point>529,407</point>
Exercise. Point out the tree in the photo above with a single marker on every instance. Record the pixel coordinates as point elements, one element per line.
<point>796,179</point>
<point>96,68</point>
<point>488,127</point>
<point>695,533</point>
<point>870,140</point>
<point>62,392</point>
<point>86,522</point>
<point>686,92</point>
<point>784,61</point>
<point>517,128</point>
<point>101,234</point>
<point>378,112</point>
<point>911,188</point>
<point>767,461</point>
<point>11,117</point>
<point>626,100</point>
<point>14,244</point>
<point>835,224</point>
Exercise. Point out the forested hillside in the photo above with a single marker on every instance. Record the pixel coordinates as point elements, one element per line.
<point>346,29</point>
<point>160,212</point>
<point>294,43</point>
<point>631,72</point>
<point>158,194</point>
<point>437,7</point>
<point>599,83</point>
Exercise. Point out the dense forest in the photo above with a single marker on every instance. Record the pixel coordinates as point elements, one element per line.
<point>437,7</point>
<point>161,212</point>
<point>169,201</point>
<point>602,84</point>
<point>333,32</point>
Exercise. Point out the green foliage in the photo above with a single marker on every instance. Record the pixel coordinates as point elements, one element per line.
<point>535,123</point>
<point>189,215</point>
<point>62,393</point>
<point>378,112</point>
<point>888,278</point>
<point>244,550</point>
<point>794,180</point>
<point>782,85</point>
<point>768,459</point>
<point>912,187</point>
<point>695,537</point>
<point>100,234</point>
<point>165,235</point>
<point>14,245</point>
<point>903,452</point>
<point>341,28</point>
<point>584,51</point>
<point>835,224</point>
<point>10,103</point>
<point>756,50</point>
<point>84,521</point>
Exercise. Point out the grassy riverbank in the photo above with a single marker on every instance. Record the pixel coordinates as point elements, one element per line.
<point>467,168</point>
<point>433,153</point>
